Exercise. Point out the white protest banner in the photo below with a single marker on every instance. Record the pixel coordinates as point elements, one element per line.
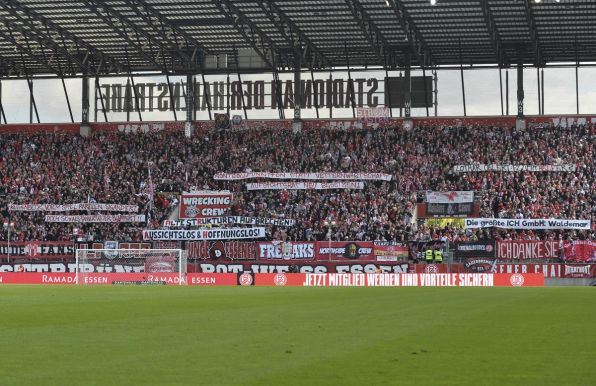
<point>513,168</point>
<point>303,176</point>
<point>372,113</point>
<point>508,223</point>
<point>230,220</point>
<point>69,207</point>
<point>205,234</point>
<point>95,218</point>
<point>453,197</point>
<point>305,185</point>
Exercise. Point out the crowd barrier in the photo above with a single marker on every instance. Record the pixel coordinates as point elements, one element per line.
<point>284,279</point>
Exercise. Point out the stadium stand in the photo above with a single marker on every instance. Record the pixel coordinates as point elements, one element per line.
<point>113,168</point>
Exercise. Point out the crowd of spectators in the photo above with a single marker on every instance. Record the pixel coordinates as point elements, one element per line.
<point>114,168</point>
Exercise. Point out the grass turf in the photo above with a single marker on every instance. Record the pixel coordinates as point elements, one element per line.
<point>174,336</point>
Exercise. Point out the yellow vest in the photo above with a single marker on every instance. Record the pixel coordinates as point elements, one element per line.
<point>439,256</point>
<point>429,255</point>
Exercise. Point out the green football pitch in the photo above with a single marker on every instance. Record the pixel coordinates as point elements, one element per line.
<point>174,336</point>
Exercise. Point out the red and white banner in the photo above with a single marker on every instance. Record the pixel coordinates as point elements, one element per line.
<point>159,278</point>
<point>580,250</point>
<point>524,223</point>
<point>204,204</point>
<point>305,185</point>
<point>406,280</point>
<point>303,176</point>
<point>452,197</point>
<point>37,250</point>
<point>390,251</point>
<point>89,218</point>
<point>568,168</point>
<point>365,113</point>
<point>71,207</point>
<point>281,266</point>
<point>527,250</point>
<point>345,250</point>
<point>579,270</point>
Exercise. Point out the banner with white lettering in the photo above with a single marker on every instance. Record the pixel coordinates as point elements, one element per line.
<point>342,250</point>
<point>70,207</point>
<point>281,222</point>
<point>527,250</point>
<point>452,197</point>
<point>508,223</point>
<point>37,250</point>
<point>303,176</point>
<point>91,218</point>
<point>484,248</point>
<point>286,250</point>
<point>305,185</point>
<point>569,168</point>
<point>205,234</point>
<point>204,204</point>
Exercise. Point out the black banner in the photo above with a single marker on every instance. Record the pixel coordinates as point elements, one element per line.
<point>448,210</point>
<point>476,249</point>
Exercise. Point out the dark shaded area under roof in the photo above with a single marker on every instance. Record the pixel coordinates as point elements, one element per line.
<point>101,37</point>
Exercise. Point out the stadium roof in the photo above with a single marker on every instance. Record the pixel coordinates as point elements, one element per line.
<point>180,36</point>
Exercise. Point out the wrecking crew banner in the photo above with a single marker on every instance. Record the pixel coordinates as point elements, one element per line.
<point>280,222</point>
<point>453,197</point>
<point>303,176</point>
<point>527,223</point>
<point>204,204</point>
<point>90,218</point>
<point>305,185</point>
<point>569,168</point>
<point>204,234</point>
<point>70,207</point>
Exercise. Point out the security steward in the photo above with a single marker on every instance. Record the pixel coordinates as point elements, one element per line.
<point>428,255</point>
<point>438,256</point>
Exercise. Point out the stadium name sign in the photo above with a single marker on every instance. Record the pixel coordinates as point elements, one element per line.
<point>252,94</point>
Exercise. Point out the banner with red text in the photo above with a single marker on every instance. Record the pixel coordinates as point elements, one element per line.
<point>451,197</point>
<point>70,207</point>
<point>204,204</point>
<point>305,185</point>
<point>303,176</point>
<point>91,218</point>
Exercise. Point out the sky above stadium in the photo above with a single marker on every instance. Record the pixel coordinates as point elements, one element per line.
<point>482,95</point>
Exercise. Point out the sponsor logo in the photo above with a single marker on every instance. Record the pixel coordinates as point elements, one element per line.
<point>245,279</point>
<point>517,280</point>
<point>191,211</point>
<point>280,279</point>
<point>431,268</point>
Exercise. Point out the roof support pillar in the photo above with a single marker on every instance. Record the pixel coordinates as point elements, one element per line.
<point>520,122</point>
<point>297,90</point>
<point>408,90</point>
